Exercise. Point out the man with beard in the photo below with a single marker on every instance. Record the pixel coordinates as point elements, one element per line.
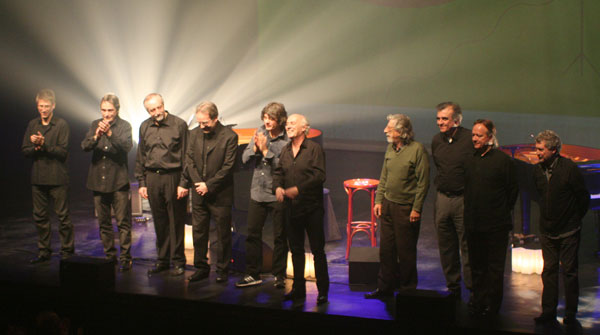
<point>109,139</point>
<point>159,170</point>
<point>400,197</point>
<point>564,200</point>
<point>46,142</point>
<point>209,166</point>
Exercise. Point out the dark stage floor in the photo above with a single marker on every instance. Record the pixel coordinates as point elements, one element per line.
<point>522,292</point>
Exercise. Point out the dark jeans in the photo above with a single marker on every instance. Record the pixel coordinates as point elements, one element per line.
<point>121,205</point>
<point>169,217</point>
<point>202,212</point>
<point>41,195</point>
<point>566,252</point>
<point>398,248</point>
<point>257,214</point>
<point>487,253</point>
<point>311,223</point>
<point>452,240</point>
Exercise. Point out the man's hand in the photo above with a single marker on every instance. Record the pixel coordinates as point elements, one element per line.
<point>261,143</point>
<point>280,194</point>
<point>37,139</point>
<point>377,210</point>
<point>291,192</point>
<point>143,191</point>
<point>415,216</point>
<point>201,188</point>
<point>181,192</point>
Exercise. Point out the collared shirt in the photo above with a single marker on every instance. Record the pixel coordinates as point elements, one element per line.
<point>404,176</point>
<point>108,170</point>
<point>50,161</point>
<point>161,147</point>
<point>305,171</point>
<point>450,151</point>
<point>261,189</point>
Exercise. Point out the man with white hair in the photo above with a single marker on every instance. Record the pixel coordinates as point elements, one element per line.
<point>564,200</point>
<point>298,181</point>
<point>399,202</point>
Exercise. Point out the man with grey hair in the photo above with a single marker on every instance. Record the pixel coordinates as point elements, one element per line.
<point>159,170</point>
<point>451,148</point>
<point>109,140</point>
<point>399,202</point>
<point>298,183</point>
<point>209,167</point>
<point>46,142</point>
<point>564,200</point>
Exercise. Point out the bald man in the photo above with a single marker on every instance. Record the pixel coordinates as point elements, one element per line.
<point>298,182</point>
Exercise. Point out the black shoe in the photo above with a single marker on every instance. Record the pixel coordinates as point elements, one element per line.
<point>158,269</point>
<point>198,275</point>
<point>178,270</point>
<point>66,256</point>
<point>111,259</point>
<point>569,320</point>
<point>222,277</point>
<point>279,282</point>
<point>544,318</point>
<point>248,280</point>
<point>295,294</point>
<point>39,259</point>
<point>125,265</point>
<point>321,299</point>
<point>378,294</point>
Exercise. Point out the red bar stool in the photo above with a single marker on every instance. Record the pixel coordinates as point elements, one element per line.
<point>352,186</point>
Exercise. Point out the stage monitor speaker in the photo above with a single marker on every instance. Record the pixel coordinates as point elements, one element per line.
<point>363,265</point>
<point>425,309</point>
<point>87,274</point>
<point>238,254</point>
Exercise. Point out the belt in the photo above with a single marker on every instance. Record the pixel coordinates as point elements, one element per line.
<point>452,194</point>
<point>163,171</point>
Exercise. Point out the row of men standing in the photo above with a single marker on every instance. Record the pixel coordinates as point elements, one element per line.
<point>476,191</point>
<point>287,182</point>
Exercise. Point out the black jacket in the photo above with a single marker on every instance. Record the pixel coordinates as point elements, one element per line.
<point>564,200</point>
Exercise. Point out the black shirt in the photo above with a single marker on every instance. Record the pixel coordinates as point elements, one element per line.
<point>162,147</point>
<point>305,171</point>
<point>108,170</point>
<point>564,199</point>
<point>450,151</point>
<point>491,191</point>
<point>50,162</point>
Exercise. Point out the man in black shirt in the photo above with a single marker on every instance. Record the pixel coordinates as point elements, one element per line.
<point>158,168</point>
<point>450,148</point>
<point>209,167</point>
<point>564,200</point>
<point>109,139</point>
<point>490,194</point>
<point>298,181</point>
<point>46,141</point>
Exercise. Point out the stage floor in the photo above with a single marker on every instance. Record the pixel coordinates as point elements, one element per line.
<point>521,302</point>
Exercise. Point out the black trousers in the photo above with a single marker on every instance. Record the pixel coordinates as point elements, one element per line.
<point>169,217</point>
<point>311,223</point>
<point>41,195</point>
<point>398,248</point>
<point>120,203</point>
<point>452,240</point>
<point>487,253</point>
<point>202,212</point>
<point>257,214</point>
<point>566,252</point>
